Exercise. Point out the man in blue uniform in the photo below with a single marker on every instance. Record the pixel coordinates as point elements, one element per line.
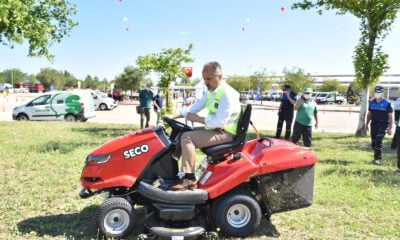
<point>380,114</point>
<point>286,112</point>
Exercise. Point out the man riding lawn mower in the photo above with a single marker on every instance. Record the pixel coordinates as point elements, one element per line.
<point>240,182</point>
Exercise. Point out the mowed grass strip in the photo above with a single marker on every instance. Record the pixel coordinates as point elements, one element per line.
<point>41,162</point>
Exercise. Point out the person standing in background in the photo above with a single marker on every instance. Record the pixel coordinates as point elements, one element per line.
<point>306,110</point>
<point>286,111</point>
<point>396,107</point>
<point>380,114</point>
<point>146,101</point>
<point>158,104</point>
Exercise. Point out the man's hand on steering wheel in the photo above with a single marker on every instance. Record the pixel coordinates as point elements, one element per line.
<point>176,125</point>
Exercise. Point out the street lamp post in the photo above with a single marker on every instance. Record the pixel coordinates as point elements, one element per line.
<point>249,76</point>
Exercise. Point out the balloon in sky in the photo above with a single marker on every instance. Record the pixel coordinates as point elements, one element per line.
<point>243,29</point>
<point>126,29</point>
<point>282,9</point>
<point>183,33</point>
<point>248,20</point>
<point>125,19</point>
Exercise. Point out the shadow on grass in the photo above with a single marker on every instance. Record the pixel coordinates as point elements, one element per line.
<point>338,162</point>
<point>80,225</point>
<point>332,137</point>
<point>377,176</point>
<point>266,229</point>
<point>71,226</point>
<point>103,132</point>
<point>63,147</point>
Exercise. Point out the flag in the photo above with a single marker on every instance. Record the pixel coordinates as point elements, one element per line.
<point>259,92</point>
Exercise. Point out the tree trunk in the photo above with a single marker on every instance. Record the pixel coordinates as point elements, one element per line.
<point>363,113</point>
<point>168,100</point>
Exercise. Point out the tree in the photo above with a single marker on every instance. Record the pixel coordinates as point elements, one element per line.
<point>59,79</point>
<point>105,84</point>
<point>333,85</point>
<point>69,80</point>
<point>297,79</point>
<point>91,82</point>
<point>131,78</point>
<point>260,78</point>
<point>377,17</point>
<point>13,76</point>
<point>32,78</point>
<point>41,23</point>
<point>193,81</point>
<point>168,64</point>
<point>238,82</point>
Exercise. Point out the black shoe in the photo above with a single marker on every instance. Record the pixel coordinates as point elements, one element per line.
<point>377,162</point>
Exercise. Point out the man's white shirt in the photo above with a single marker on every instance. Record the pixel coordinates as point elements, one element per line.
<point>228,102</point>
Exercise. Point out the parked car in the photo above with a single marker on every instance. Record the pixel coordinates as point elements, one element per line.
<point>57,105</point>
<point>21,90</point>
<point>275,96</point>
<point>102,102</point>
<point>6,87</point>
<point>244,96</point>
<point>330,97</point>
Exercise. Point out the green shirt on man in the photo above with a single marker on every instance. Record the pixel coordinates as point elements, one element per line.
<point>305,113</point>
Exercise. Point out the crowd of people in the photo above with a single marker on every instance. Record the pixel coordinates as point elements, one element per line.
<point>223,105</point>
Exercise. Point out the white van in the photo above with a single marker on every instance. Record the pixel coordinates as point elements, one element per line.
<point>102,102</point>
<point>57,105</point>
<point>6,87</point>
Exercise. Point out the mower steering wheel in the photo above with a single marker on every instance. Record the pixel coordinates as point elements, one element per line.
<point>176,125</point>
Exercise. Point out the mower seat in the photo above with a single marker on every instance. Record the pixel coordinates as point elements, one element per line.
<point>238,142</point>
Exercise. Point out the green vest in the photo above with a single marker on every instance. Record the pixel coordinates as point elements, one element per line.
<point>212,107</point>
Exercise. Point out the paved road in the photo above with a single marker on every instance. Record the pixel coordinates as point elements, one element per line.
<point>262,117</point>
<point>331,118</point>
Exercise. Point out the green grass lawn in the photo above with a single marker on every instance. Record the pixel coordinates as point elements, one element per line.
<point>41,162</point>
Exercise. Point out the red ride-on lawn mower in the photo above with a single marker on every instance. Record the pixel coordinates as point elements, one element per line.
<point>242,181</point>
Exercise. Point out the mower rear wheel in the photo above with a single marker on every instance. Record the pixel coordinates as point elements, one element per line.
<point>116,218</point>
<point>237,214</point>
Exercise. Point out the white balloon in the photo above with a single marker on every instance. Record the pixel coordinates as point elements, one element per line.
<point>248,20</point>
<point>125,19</point>
<point>183,33</point>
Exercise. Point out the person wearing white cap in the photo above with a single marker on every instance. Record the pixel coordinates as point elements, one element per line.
<point>306,111</point>
<point>380,114</point>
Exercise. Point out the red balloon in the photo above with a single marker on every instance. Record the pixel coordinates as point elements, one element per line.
<point>282,9</point>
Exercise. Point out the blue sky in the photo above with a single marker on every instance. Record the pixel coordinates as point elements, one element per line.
<point>272,39</point>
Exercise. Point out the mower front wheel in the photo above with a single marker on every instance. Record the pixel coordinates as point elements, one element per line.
<point>116,218</point>
<point>237,214</point>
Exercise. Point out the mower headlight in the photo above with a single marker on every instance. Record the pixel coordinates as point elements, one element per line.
<point>98,158</point>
